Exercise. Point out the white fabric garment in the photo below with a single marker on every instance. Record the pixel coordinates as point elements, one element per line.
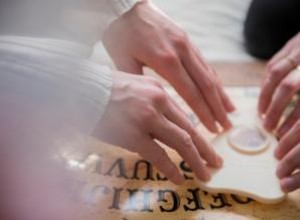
<point>46,79</point>
<point>215,27</point>
<point>51,98</point>
<point>75,20</point>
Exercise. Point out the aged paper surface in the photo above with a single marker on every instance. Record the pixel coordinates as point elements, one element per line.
<point>116,184</point>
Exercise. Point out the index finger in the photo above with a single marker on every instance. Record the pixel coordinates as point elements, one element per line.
<point>178,139</point>
<point>228,104</point>
<point>176,115</point>
<point>273,78</point>
<point>185,86</point>
<point>289,163</point>
<point>281,99</point>
<point>286,49</point>
<point>289,141</point>
<point>207,85</point>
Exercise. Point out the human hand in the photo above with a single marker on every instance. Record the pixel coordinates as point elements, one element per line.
<point>288,152</point>
<point>145,36</point>
<point>139,113</point>
<point>280,83</point>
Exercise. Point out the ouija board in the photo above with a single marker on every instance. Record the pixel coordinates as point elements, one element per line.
<point>118,185</point>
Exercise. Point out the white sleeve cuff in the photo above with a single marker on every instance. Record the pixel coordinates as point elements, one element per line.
<point>122,6</point>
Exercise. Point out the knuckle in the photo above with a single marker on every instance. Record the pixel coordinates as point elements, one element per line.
<point>169,58</point>
<point>149,113</point>
<point>274,74</point>
<point>192,131</point>
<point>288,85</point>
<point>209,84</point>
<point>159,98</point>
<point>153,81</point>
<point>187,140</point>
<point>180,40</point>
<point>269,67</point>
<point>273,70</point>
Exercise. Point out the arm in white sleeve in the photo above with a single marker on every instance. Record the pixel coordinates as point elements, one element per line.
<point>51,92</point>
<point>81,21</point>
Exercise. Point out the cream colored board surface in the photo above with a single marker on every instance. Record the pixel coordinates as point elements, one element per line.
<point>255,167</point>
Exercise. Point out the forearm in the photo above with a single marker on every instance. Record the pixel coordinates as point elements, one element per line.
<point>63,89</point>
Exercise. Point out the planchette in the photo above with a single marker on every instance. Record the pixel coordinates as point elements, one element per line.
<point>249,167</point>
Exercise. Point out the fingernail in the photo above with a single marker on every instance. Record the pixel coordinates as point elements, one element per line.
<point>219,161</point>
<point>231,107</point>
<point>260,107</point>
<point>277,153</point>
<point>228,124</point>
<point>268,124</point>
<point>206,176</point>
<point>215,128</point>
<point>260,113</point>
<point>279,171</point>
<point>178,179</point>
<point>287,184</point>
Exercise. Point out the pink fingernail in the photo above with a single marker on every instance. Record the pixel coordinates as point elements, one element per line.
<point>279,171</point>
<point>260,107</point>
<point>268,125</point>
<point>215,128</point>
<point>228,124</point>
<point>231,107</point>
<point>287,184</point>
<point>208,176</point>
<point>276,152</point>
<point>219,161</point>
